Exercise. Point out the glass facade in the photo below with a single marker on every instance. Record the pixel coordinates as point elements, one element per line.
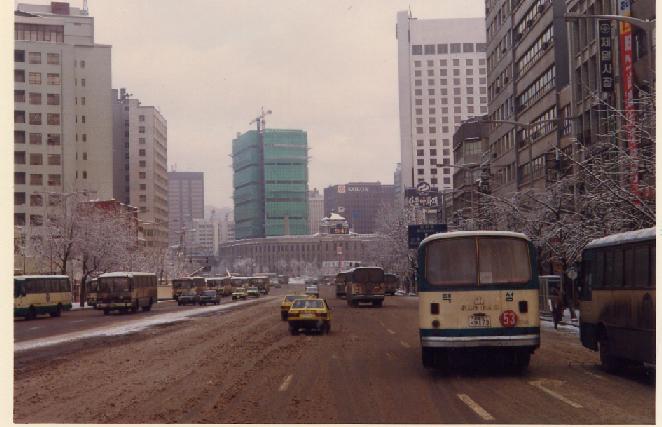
<point>270,195</point>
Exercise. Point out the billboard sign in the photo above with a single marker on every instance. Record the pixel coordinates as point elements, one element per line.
<point>417,232</point>
<point>427,199</point>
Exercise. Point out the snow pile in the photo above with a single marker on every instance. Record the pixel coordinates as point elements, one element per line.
<point>130,326</point>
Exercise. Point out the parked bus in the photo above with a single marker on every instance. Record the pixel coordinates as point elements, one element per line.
<point>126,291</point>
<point>365,284</point>
<point>221,285</point>
<point>180,285</point>
<point>617,298</point>
<point>41,294</point>
<point>391,282</point>
<point>340,283</point>
<point>91,289</point>
<point>478,293</point>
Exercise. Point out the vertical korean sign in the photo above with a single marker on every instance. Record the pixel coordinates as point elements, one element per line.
<point>606,70</point>
<point>625,41</point>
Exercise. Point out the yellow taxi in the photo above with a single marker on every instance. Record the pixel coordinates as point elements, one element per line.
<point>287,303</point>
<point>309,313</point>
<point>239,293</point>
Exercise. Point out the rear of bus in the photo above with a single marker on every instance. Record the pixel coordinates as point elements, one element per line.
<point>478,294</point>
<point>180,285</point>
<point>365,285</point>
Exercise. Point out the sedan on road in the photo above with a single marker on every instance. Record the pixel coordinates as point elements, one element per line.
<point>188,297</point>
<point>309,314</point>
<point>253,292</point>
<point>209,297</point>
<point>287,303</point>
<point>313,290</point>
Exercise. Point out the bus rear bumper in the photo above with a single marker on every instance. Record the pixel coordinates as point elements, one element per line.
<point>531,340</point>
<point>113,305</point>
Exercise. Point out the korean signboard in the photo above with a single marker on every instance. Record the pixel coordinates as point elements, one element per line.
<point>625,42</point>
<point>427,199</point>
<point>606,71</point>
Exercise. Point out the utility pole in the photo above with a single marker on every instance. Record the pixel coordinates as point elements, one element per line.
<point>261,124</point>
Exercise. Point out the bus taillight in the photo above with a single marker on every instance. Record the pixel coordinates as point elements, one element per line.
<point>434,308</point>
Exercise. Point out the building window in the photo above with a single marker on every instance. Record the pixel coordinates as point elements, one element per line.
<point>82,82</point>
<point>417,49</point>
<point>53,79</point>
<point>142,198</point>
<point>36,179</point>
<point>35,118</point>
<point>53,99</point>
<point>34,78</point>
<point>19,116</point>
<point>84,174</point>
<point>19,55</point>
<point>35,98</point>
<point>142,152</point>
<point>19,96</point>
<point>36,200</point>
<point>36,159</point>
<point>455,47</point>
<point>35,138</point>
<point>53,139</point>
<point>55,179</point>
<point>467,47</point>
<point>142,175</point>
<point>19,178</point>
<point>54,119</point>
<point>19,199</point>
<point>19,137</point>
<point>82,63</point>
<point>420,171</point>
<point>141,118</point>
<point>53,58</point>
<point>54,159</point>
<point>19,157</point>
<point>442,49</point>
<point>34,57</point>
<point>419,162</point>
<point>36,220</point>
<point>142,163</point>
<point>417,63</point>
<point>84,155</point>
<point>19,76</point>
<point>143,186</point>
<point>82,100</point>
<point>141,129</point>
<point>481,47</point>
<point>82,119</point>
<point>429,49</point>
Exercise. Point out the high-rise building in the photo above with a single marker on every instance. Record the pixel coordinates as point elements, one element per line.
<point>186,201</point>
<point>63,135</point>
<point>442,79</point>
<point>359,203</point>
<point>270,180</point>
<point>140,157</point>
<point>315,210</point>
<point>527,62</point>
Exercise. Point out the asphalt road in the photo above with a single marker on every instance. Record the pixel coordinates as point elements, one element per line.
<point>243,366</point>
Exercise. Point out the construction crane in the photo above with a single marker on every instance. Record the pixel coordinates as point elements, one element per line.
<point>259,120</point>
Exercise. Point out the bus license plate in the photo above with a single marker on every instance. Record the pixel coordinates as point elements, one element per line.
<point>307,315</point>
<point>476,321</point>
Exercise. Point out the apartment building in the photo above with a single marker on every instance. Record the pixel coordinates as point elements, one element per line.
<point>315,210</point>
<point>527,63</point>
<point>140,141</point>
<point>63,134</point>
<point>442,80</point>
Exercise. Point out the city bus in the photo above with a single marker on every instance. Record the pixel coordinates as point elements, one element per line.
<point>617,298</point>
<point>126,291</point>
<point>391,282</point>
<point>478,295</point>
<point>41,294</point>
<point>261,282</point>
<point>91,289</point>
<point>365,285</point>
<point>185,283</point>
<point>220,284</point>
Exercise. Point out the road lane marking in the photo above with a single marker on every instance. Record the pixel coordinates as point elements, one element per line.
<point>286,383</point>
<point>554,394</point>
<point>405,345</point>
<point>475,407</point>
<point>77,321</point>
<point>390,332</point>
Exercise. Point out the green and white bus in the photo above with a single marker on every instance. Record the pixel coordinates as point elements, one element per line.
<point>41,294</point>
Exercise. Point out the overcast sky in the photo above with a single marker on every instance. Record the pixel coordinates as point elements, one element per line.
<point>327,67</point>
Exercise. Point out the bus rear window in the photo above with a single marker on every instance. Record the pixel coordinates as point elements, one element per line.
<point>503,260</point>
<point>450,262</point>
